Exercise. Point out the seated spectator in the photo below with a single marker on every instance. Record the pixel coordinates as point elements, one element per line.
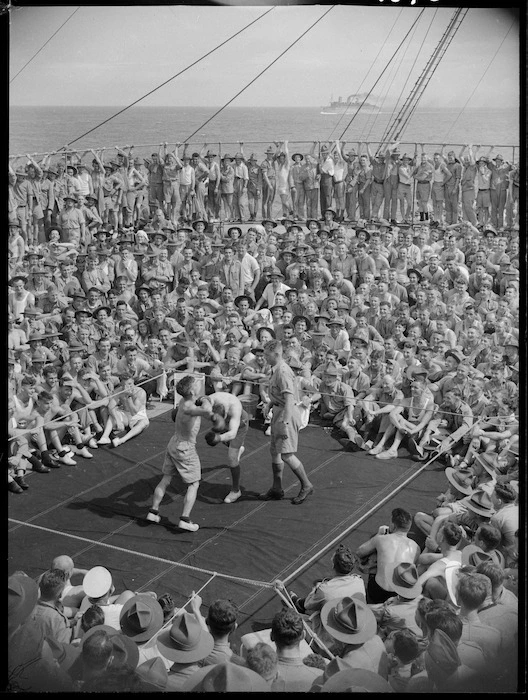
<point>352,625</point>
<point>49,614</point>
<point>262,658</point>
<point>100,590</point>
<point>126,410</point>
<point>221,621</point>
<point>287,632</point>
<point>405,660</point>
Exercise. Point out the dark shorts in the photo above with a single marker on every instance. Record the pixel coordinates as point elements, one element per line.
<point>239,438</point>
<point>375,593</point>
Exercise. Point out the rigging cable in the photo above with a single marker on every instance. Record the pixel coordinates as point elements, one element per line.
<point>261,73</point>
<point>170,79</point>
<point>368,72</point>
<point>382,72</point>
<point>409,74</point>
<point>47,42</point>
<point>390,81</point>
<point>481,79</point>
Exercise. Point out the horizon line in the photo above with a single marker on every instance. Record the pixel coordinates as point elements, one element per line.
<point>495,109</point>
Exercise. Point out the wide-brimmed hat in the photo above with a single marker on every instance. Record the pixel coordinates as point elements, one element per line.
<point>332,369</point>
<point>275,272</point>
<point>302,318</point>
<point>226,156</point>
<point>473,555</point>
<point>234,228</point>
<point>18,277</point>
<point>335,322</point>
<point>244,296</point>
<point>405,581</point>
<point>102,308</point>
<point>332,211</point>
<point>273,223</point>
<point>210,154</point>
<point>416,272</point>
<point>356,680</point>
<point>225,677</point>
<point>22,596</point>
<point>489,461</point>
<point>65,655</point>
<point>349,620</point>
<point>97,582</point>
<point>73,197</point>
<point>197,221</point>
<point>126,651</point>
<point>264,328</point>
<point>286,250</point>
<point>186,641</point>
<point>141,617</point>
<point>269,150</point>
<point>480,503</point>
<point>462,479</point>
<point>297,154</point>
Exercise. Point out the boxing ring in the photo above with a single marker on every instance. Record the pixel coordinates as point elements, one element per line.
<point>95,512</point>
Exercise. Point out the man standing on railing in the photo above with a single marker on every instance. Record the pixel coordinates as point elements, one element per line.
<point>269,183</point>
<point>390,182</point>
<point>452,188</point>
<point>213,186</point>
<point>376,186</point>
<point>297,188</point>
<point>326,186</point>
<point>423,174</point>
<point>240,186</point>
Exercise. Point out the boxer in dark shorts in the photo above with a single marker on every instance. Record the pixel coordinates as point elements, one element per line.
<point>230,426</point>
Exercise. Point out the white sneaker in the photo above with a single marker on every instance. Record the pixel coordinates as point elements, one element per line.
<point>104,441</point>
<point>191,527</point>
<point>232,496</point>
<point>83,452</point>
<point>153,517</point>
<point>92,444</point>
<point>116,442</point>
<point>67,460</point>
<point>388,454</point>
<point>376,450</point>
<point>268,430</point>
<point>368,445</point>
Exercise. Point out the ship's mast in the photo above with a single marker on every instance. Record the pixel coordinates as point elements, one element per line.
<point>394,130</point>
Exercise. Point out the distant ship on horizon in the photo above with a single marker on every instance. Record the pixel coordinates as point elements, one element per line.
<point>353,102</point>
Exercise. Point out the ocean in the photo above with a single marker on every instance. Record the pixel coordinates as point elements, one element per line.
<point>45,129</point>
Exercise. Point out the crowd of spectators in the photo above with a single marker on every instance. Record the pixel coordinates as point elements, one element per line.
<point>402,335</point>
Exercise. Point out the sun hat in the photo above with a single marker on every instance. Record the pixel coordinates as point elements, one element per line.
<point>349,619</point>
<point>480,503</point>
<point>18,277</point>
<point>273,223</point>
<point>294,362</point>
<point>264,328</point>
<point>335,322</point>
<point>332,370</point>
<point>22,596</point>
<point>198,221</point>
<point>461,479</point>
<point>64,654</point>
<point>405,581</point>
<point>441,656</point>
<point>141,617</point>
<point>356,680</point>
<point>297,154</point>
<point>186,641</point>
<point>97,581</point>
<point>126,651</point>
<point>489,461</point>
<point>473,555</point>
<point>275,272</point>
<point>226,677</point>
<point>241,297</point>
<point>155,676</point>
<point>300,317</point>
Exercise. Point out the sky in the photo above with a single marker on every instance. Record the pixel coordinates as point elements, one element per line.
<point>113,55</point>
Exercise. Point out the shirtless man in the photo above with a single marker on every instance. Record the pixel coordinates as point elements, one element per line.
<point>126,410</point>
<point>230,426</point>
<point>392,548</point>
<point>181,455</point>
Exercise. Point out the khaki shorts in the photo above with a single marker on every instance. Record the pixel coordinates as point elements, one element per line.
<point>288,444</point>
<point>181,457</point>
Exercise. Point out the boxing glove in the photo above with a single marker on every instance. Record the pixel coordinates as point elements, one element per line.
<point>212,438</point>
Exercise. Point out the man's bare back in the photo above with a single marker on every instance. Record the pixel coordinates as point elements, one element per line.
<point>393,549</point>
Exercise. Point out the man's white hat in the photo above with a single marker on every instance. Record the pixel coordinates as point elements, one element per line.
<point>97,582</point>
